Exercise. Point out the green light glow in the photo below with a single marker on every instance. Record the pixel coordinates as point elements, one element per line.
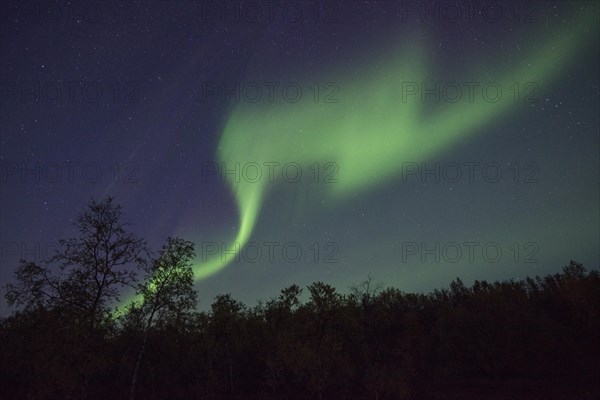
<point>371,131</point>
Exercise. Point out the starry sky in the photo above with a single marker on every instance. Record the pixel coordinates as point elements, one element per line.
<point>412,142</point>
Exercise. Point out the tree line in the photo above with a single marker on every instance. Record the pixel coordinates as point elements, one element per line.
<point>531,338</point>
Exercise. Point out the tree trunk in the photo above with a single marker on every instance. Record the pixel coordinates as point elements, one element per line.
<point>84,388</point>
<point>139,360</point>
<point>230,370</point>
<point>137,366</point>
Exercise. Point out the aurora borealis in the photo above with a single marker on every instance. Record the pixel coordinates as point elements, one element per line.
<point>376,128</point>
<point>362,132</point>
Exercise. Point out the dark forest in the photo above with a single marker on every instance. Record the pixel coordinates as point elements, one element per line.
<point>517,339</point>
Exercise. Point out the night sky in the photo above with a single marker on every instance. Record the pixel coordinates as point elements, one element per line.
<point>375,139</point>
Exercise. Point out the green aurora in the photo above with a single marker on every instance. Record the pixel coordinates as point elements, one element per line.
<point>373,128</point>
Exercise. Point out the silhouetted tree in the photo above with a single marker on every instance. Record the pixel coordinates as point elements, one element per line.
<point>168,290</point>
<point>81,280</point>
<point>278,314</point>
<point>87,272</point>
<point>464,341</point>
<point>224,333</point>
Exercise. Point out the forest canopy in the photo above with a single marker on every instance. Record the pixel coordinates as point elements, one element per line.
<point>520,338</point>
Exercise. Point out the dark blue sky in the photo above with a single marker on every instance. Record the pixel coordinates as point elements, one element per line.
<point>100,99</point>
